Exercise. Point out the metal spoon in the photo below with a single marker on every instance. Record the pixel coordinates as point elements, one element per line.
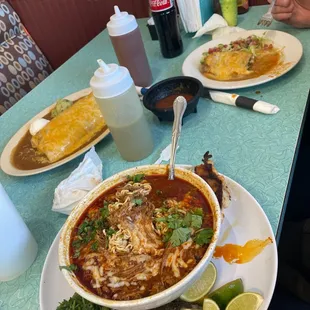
<point>179,107</point>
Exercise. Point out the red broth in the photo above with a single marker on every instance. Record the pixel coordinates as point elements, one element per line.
<point>130,259</point>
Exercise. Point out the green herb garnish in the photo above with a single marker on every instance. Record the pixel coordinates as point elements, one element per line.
<point>77,243</point>
<point>99,224</point>
<point>136,178</point>
<point>76,254</point>
<point>159,192</point>
<point>174,221</point>
<point>164,209</point>
<point>204,236</point>
<point>180,236</point>
<point>138,202</point>
<point>111,232</point>
<point>76,302</point>
<point>84,227</point>
<point>198,211</point>
<point>94,246</point>
<point>70,268</point>
<point>181,227</point>
<point>104,212</point>
<point>187,220</point>
<point>167,236</point>
<point>196,221</point>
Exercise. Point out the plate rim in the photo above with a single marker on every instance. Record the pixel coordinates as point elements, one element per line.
<point>247,83</point>
<point>5,161</point>
<point>267,298</point>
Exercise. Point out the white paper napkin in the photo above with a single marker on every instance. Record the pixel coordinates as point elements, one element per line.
<point>190,14</point>
<point>217,26</point>
<point>83,179</point>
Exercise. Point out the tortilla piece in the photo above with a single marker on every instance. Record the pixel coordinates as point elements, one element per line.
<point>70,130</point>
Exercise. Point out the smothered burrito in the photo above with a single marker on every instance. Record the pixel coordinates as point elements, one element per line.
<point>73,126</point>
<point>241,59</point>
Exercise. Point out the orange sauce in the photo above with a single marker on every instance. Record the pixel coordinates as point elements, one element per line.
<point>238,254</point>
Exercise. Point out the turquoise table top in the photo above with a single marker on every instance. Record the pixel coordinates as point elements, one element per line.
<point>255,150</point>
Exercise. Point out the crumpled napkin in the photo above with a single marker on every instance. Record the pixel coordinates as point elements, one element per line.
<point>82,180</point>
<point>217,26</point>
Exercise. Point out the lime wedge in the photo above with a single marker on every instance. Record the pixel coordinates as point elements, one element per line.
<point>246,301</point>
<point>202,286</point>
<point>209,304</point>
<point>223,295</point>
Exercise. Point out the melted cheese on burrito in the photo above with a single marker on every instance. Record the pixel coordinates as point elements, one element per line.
<point>70,130</point>
<point>240,59</point>
<point>228,65</point>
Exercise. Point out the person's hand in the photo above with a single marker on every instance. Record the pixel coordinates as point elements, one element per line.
<point>292,13</point>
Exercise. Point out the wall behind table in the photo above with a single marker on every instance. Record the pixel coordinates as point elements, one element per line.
<point>62,27</point>
<point>258,2</point>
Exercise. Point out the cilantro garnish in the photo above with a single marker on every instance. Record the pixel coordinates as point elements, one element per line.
<point>88,229</point>
<point>179,236</point>
<point>76,302</point>
<point>76,253</point>
<point>167,236</point>
<point>204,236</point>
<point>196,221</point>
<point>104,212</point>
<point>181,227</point>
<point>94,246</point>
<point>138,202</point>
<point>111,232</point>
<point>136,178</point>
<point>187,220</point>
<point>70,268</point>
<point>198,211</point>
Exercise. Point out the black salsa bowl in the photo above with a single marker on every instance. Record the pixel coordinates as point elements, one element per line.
<point>179,85</point>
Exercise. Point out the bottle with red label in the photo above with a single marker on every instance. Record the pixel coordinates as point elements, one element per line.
<point>167,26</point>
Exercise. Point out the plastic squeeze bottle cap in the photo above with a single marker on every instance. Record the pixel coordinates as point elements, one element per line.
<point>110,80</point>
<point>121,23</point>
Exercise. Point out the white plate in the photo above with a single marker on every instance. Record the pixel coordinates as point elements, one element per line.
<point>292,54</point>
<point>5,161</point>
<point>244,220</point>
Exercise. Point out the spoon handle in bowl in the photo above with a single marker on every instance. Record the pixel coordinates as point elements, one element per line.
<point>179,107</point>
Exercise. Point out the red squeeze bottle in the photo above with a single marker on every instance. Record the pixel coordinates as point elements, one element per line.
<point>128,46</point>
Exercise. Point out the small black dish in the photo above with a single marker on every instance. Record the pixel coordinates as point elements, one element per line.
<point>173,86</point>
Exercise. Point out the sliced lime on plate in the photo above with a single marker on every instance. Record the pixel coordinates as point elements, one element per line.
<point>223,295</point>
<point>202,286</point>
<point>209,304</point>
<point>246,301</point>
